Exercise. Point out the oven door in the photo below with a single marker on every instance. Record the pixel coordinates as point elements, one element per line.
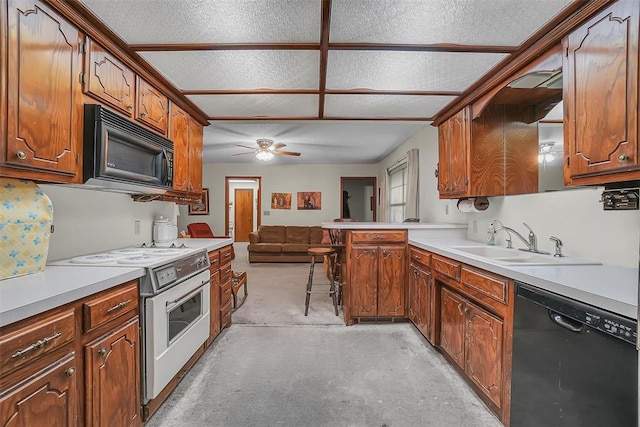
<point>176,324</point>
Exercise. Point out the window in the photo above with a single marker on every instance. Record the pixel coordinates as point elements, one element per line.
<point>397,193</point>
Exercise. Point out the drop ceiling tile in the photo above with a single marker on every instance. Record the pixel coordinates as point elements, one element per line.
<point>208,21</point>
<point>237,70</point>
<point>257,105</point>
<point>466,22</point>
<point>445,71</point>
<point>384,106</point>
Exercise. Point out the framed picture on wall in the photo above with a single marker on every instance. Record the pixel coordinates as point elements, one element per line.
<point>309,200</point>
<point>201,208</point>
<point>280,200</point>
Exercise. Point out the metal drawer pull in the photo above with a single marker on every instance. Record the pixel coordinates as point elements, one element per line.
<point>69,372</point>
<point>119,306</point>
<point>36,345</point>
<point>378,237</point>
<point>102,352</point>
<point>21,155</point>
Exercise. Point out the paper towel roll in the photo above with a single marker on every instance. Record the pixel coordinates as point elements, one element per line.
<point>473,204</point>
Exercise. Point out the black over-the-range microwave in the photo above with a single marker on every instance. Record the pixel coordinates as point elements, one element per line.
<point>120,155</point>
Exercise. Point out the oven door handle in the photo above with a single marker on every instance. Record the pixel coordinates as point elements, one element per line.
<point>178,301</point>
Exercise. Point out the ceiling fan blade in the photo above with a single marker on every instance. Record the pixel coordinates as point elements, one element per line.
<point>278,146</point>
<point>241,154</point>
<point>286,153</point>
<point>245,146</point>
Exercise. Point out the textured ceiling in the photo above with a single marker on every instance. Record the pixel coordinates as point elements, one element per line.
<point>298,71</point>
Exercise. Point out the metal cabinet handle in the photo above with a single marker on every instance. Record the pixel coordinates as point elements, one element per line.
<point>143,114</point>
<point>70,371</point>
<point>102,352</point>
<point>36,345</point>
<point>623,157</point>
<point>119,306</point>
<point>21,155</point>
<point>130,107</point>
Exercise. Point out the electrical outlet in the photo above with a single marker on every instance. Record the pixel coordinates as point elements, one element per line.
<point>266,213</point>
<point>136,227</point>
<point>474,225</point>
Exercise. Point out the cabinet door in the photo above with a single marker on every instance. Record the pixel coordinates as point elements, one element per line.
<point>179,134</point>
<point>364,282</point>
<point>414,295</point>
<point>483,358</point>
<point>391,288</point>
<point>47,398</point>
<point>195,156</point>
<point>44,128</point>
<point>215,306</point>
<point>112,378</point>
<point>152,107</point>
<point>426,299</point>
<point>601,93</point>
<point>444,164</point>
<point>452,319</point>
<point>108,79</point>
<point>458,141</point>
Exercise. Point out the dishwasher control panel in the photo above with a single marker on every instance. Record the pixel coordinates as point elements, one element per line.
<point>619,327</point>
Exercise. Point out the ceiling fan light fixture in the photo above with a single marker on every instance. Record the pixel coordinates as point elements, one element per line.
<point>264,155</point>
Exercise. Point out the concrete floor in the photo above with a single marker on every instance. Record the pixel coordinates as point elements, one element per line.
<point>280,368</point>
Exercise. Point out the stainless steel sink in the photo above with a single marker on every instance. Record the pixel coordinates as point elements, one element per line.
<point>517,257</point>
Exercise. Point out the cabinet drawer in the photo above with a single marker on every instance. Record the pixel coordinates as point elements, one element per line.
<point>214,260</point>
<point>225,315</point>
<point>421,257</point>
<point>34,340</point>
<point>225,293</point>
<point>225,273</point>
<point>446,266</point>
<point>99,311</point>
<point>378,236</point>
<point>493,286</point>
<point>225,255</point>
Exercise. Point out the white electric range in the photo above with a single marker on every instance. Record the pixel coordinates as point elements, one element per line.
<point>174,305</point>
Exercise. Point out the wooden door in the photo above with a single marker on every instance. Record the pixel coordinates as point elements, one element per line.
<point>363,279</point>
<point>152,107</point>
<point>459,136</point>
<point>601,93</point>
<point>108,79</point>
<point>47,398</point>
<point>391,288</point>
<point>195,156</point>
<point>112,378</point>
<point>179,134</point>
<point>452,325</point>
<point>243,214</point>
<point>425,310</point>
<point>444,164</point>
<point>414,295</point>
<point>44,127</point>
<point>483,358</point>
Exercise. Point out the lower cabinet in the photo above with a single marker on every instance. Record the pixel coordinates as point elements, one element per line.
<point>421,297</point>
<point>48,397</point>
<point>112,377</point>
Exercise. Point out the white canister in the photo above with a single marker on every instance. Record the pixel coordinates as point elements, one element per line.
<point>164,230</point>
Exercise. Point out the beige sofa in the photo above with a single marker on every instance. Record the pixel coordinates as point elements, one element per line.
<point>279,243</point>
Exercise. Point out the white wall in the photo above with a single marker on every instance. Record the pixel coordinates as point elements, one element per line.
<point>278,179</point>
<point>89,221</point>
<point>575,216</point>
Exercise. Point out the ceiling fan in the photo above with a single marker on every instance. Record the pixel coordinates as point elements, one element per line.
<point>267,150</point>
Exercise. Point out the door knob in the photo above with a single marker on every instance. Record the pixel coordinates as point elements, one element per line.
<point>70,372</point>
<point>102,352</point>
<point>623,157</point>
<point>21,155</point>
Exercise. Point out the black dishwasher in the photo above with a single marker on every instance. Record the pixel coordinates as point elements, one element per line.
<point>573,364</point>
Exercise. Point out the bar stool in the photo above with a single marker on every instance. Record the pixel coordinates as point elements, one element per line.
<point>328,256</point>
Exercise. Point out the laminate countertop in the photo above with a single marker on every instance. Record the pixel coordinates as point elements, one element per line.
<point>609,287</point>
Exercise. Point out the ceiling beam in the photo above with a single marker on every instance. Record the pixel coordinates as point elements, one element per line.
<point>314,118</point>
<point>317,92</point>
<point>177,47</point>
<point>439,47</point>
<point>325,25</point>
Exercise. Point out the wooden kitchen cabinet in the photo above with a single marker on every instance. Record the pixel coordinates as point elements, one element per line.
<point>112,377</point>
<point>421,300</point>
<point>600,78</point>
<point>44,110</point>
<point>226,277</point>
<point>376,271</point>
<point>214,295</point>
<point>186,135</point>
<point>152,106</point>
<point>108,80</point>
<point>454,138</point>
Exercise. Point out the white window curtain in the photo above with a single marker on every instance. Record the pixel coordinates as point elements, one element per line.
<point>413,194</point>
<point>397,191</point>
<point>383,214</point>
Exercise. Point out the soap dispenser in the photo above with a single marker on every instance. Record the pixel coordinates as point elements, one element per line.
<point>491,231</point>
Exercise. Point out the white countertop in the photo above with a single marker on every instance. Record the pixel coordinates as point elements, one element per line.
<point>391,225</point>
<point>25,296</point>
<point>610,287</point>
<point>208,244</point>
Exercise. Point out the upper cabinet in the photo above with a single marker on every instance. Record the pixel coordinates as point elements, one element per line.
<point>453,144</point>
<point>152,107</point>
<point>44,96</point>
<point>601,97</point>
<point>108,80</point>
<point>186,135</point>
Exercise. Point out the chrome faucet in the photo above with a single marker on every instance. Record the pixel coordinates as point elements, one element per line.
<point>531,243</point>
